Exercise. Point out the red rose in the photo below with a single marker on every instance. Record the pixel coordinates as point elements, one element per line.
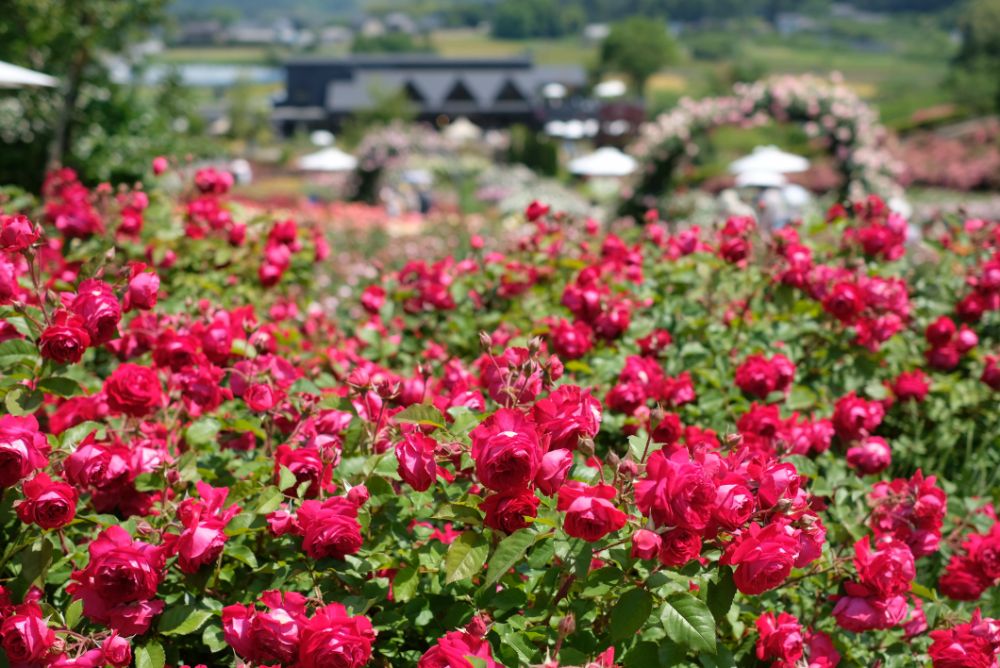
<point>22,448</point>
<point>330,528</point>
<point>65,340</point>
<point>266,637</point>
<point>734,504</point>
<point>133,390</point>
<point>571,341</point>
<point>964,580</point>
<point>306,464</point>
<point>96,304</point>
<point>334,638</point>
<point>844,302</point>
<point>861,611</point>
<point>780,638</point>
<point>47,503</point>
<point>506,450</point>
<point>17,233</point>
<point>535,210</point>
<point>117,651</point>
<point>940,332</point>
<point>645,544</point>
<point>373,298</point>
<point>25,636</point>
<point>506,511</point>
<point>120,581</point>
<point>964,646</point>
<point>205,522</point>
<point>872,455</point>
<point>763,556</point>
<point>991,372</point>
<point>451,652</point>
<point>590,515</point>
<point>261,397</point>
<point>853,417</point>
<point>567,415</point>
<point>679,546</point>
<point>416,463</point>
<point>553,471</point>
<point>888,570</point>
<point>142,289</point>
<point>911,385</point>
<point>676,491</point>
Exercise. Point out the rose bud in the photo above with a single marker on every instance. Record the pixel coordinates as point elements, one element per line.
<point>358,495</point>
<point>645,544</point>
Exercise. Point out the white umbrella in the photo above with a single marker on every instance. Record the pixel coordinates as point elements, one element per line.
<point>555,128</point>
<point>574,129</point>
<point>321,138</point>
<point>12,76</point>
<point>463,130</point>
<point>328,160</point>
<point>796,196</point>
<point>612,88</point>
<point>607,161</point>
<point>760,179</point>
<point>554,91</point>
<point>770,159</point>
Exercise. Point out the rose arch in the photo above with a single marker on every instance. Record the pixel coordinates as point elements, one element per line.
<point>827,109</point>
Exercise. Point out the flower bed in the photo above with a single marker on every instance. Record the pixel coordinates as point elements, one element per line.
<point>577,449</point>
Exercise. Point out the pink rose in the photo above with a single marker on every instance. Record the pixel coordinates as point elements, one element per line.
<point>47,503</point>
<point>334,638</point>
<point>329,528</point>
<point>507,511</point>
<point>416,463</point>
<point>22,448</point>
<point>590,515</point>
<point>506,450</point>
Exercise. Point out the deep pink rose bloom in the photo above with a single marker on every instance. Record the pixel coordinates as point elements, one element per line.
<point>119,583</point>
<point>97,306</point>
<point>65,340</point>
<point>25,636</point>
<point>329,528</point>
<point>47,503</point>
<point>590,515</point>
<point>780,638</point>
<point>553,471</point>
<point>676,491</point>
<point>507,511</point>
<point>22,448</point>
<point>417,465</point>
<point>763,556</point>
<point>451,652</point>
<point>506,450</point>
<point>133,390</point>
<point>334,638</point>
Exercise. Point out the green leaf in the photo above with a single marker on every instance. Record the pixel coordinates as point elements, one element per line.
<point>510,551</point>
<point>689,623</point>
<point>22,401</point>
<point>630,613</point>
<point>73,613</point>
<point>404,585</point>
<point>801,398</point>
<point>466,557</point>
<point>182,620</point>
<point>241,553</point>
<point>202,432</point>
<point>15,351</point>
<point>421,414</point>
<point>60,386</point>
<point>286,479</point>
<point>70,438</point>
<point>150,655</point>
<point>720,593</point>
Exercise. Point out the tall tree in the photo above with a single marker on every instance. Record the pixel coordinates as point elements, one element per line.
<point>70,39</point>
<point>976,68</point>
<point>639,48</point>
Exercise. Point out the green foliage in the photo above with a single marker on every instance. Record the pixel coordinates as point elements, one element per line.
<point>639,48</point>
<point>975,74</point>
<point>521,19</point>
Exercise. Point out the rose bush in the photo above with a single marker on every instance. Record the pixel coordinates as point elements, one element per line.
<point>647,447</point>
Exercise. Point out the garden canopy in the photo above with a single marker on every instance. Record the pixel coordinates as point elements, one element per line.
<point>13,76</point>
<point>328,160</point>
<point>607,161</point>
<point>769,159</point>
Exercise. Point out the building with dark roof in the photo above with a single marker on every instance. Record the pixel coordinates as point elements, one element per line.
<point>323,92</point>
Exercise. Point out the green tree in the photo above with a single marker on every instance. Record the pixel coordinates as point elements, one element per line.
<point>639,48</point>
<point>88,114</point>
<point>975,75</point>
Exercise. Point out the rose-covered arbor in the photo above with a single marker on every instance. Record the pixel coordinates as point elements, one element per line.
<point>826,108</point>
